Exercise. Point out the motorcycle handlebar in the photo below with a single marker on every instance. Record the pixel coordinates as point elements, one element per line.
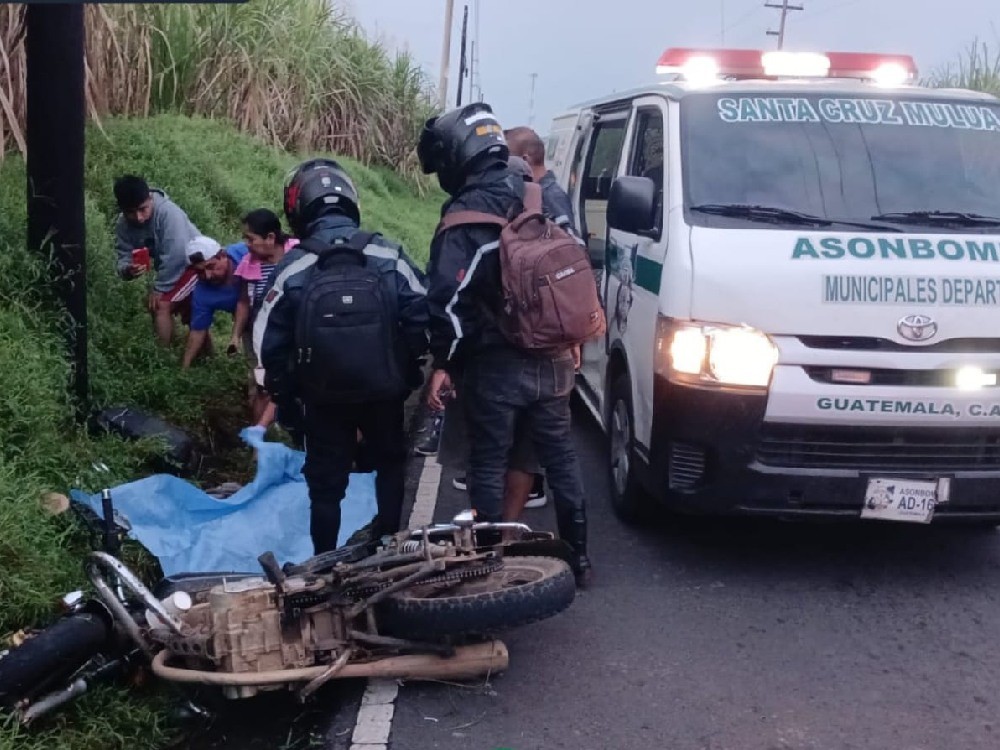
<point>98,563</point>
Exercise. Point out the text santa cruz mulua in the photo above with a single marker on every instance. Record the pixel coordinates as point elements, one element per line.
<point>859,111</point>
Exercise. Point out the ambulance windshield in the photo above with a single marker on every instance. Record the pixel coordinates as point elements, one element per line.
<point>916,163</point>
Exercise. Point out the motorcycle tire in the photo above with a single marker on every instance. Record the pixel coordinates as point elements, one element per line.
<point>525,590</point>
<point>51,655</point>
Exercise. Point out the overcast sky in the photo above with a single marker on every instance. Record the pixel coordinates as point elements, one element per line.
<point>586,48</point>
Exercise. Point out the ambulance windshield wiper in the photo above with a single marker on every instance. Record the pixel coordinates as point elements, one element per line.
<point>778,215</point>
<point>940,217</point>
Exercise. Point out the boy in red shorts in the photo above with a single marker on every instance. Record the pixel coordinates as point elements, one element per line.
<point>151,234</point>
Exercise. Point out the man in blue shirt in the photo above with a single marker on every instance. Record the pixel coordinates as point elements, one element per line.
<point>218,288</point>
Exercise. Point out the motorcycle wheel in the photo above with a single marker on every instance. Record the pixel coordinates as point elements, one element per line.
<point>51,655</point>
<point>524,590</point>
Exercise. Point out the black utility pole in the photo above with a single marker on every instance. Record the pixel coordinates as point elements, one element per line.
<point>56,117</point>
<point>463,69</point>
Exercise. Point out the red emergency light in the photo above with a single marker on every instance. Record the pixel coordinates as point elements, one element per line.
<point>705,65</point>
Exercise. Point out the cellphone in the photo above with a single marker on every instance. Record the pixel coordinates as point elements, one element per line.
<point>140,257</point>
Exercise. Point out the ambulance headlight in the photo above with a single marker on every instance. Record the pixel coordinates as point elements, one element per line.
<point>737,356</point>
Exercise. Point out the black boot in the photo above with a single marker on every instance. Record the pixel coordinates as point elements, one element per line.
<point>573,531</point>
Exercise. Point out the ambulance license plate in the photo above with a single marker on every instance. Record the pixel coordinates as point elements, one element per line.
<point>897,499</point>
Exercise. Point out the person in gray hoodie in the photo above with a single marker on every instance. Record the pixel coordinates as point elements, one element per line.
<point>151,226</point>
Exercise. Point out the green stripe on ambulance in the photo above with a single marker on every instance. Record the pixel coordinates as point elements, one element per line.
<point>895,248</point>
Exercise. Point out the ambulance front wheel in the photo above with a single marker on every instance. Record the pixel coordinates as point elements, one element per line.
<point>628,499</point>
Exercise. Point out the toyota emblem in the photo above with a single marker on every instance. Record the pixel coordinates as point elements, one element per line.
<point>917,328</point>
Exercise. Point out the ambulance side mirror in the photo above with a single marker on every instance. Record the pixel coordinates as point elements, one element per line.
<point>632,206</point>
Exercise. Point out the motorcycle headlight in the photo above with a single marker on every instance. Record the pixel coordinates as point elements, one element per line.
<point>737,356</point>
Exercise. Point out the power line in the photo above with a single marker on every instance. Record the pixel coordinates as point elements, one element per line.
<point>531,101</point>
<point>784,8</point>
<point>472,70</point>
<point>742,19</point>
<point>475,80</point>
<point>463,69</point>
<point>813,14</point>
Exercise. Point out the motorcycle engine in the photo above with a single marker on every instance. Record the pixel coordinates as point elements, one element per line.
<point>246,626</point>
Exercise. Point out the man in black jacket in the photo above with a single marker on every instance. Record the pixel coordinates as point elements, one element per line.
<point>359,362</point>
<point>497,381</point>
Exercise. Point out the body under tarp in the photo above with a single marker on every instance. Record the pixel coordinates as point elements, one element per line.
<point>189,531</point>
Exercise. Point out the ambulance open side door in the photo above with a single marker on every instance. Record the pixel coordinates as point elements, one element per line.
<point>594,169</point>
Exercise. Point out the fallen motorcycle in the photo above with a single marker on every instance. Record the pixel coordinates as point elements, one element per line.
<point>422,604</point>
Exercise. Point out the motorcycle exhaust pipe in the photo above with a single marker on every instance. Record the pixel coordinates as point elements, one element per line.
<point>52,701</point>
<point>469,662</point>
<point>79,686</point>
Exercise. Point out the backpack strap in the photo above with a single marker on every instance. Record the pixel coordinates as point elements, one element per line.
<point>360,240</point>
<point>533,198</point>
<point>464,218</point>
<point>532,210</point>
<point>353,249</point>
<point>357,242</point>
<point>312,245</point>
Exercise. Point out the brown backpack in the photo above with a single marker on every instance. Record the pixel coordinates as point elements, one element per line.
<point>550,299</point>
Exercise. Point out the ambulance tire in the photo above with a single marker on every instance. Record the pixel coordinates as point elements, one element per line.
<point>629,500</point>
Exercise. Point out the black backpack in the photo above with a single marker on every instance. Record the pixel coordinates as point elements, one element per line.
<point>348,347</point>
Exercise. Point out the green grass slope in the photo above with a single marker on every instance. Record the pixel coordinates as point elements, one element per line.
<point>216,175</point>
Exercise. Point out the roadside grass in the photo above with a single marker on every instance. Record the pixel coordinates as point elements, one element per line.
<point>217,175</point>
<point>300,74</point>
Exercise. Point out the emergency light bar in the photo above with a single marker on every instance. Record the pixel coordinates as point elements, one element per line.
<point>707,65</point>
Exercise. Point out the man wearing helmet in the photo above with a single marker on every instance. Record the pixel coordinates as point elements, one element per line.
<point>525,483</point>
<point>496,381</point>
<point>339,335</point>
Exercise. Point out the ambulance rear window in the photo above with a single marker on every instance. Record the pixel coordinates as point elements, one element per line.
<point>840,158</point>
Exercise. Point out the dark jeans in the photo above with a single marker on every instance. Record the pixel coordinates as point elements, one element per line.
<point>331,445</point>
<point>500,387</point>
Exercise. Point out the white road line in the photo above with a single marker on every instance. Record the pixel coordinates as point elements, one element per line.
<point>374,722</point>
<point>427,493</point>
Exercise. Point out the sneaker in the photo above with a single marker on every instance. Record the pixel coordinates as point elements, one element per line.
<point>428,446</point>
<point>537,498</point>
<point>430,442</point>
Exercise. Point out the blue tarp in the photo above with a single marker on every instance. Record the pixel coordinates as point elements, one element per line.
<point>191,532</point>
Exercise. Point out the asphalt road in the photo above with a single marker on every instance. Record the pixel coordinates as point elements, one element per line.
<point>737,635</point>
<point>708,635</point>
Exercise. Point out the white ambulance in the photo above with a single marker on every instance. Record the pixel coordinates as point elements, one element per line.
<point>799,256</point>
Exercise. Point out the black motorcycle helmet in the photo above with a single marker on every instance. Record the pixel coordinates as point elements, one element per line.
<point>459,142</point>
<point>314,186</point>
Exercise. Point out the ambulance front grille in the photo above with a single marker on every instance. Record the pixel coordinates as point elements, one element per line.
<point>872,343</point>
<point>892,377</point>
<point>879,449</point>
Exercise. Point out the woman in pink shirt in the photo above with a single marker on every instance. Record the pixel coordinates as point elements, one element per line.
<point>268,245</point>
